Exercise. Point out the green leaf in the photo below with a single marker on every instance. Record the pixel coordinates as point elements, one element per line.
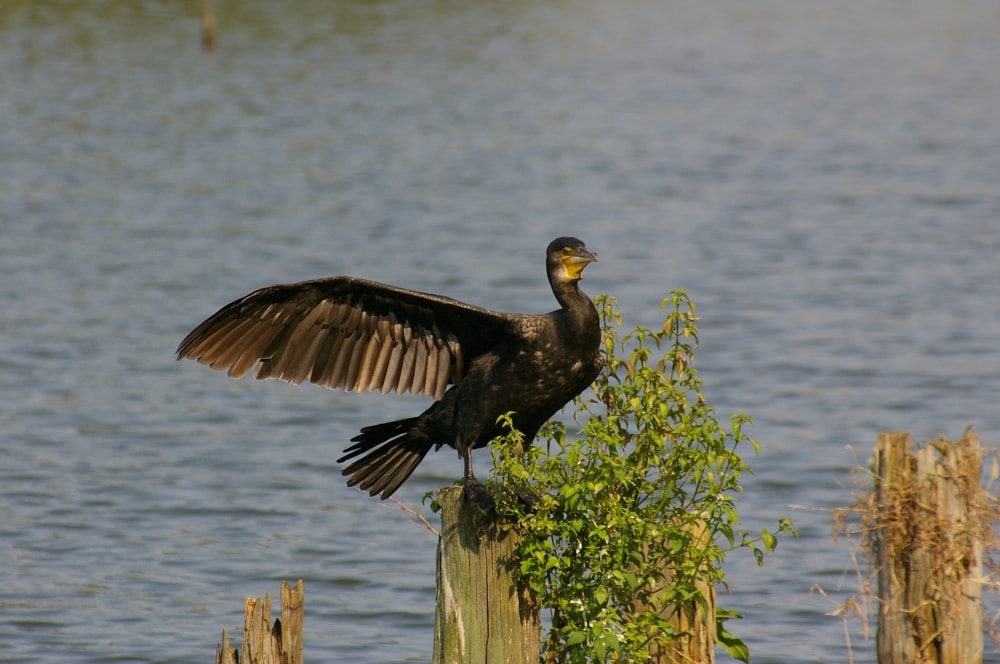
<point>730,643</point>
<point>769,540</point>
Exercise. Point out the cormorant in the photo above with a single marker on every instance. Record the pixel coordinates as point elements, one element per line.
<point>353,334</point>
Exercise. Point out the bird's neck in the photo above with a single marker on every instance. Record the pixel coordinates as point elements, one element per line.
<point>580,314</point>
<point>569,295</point>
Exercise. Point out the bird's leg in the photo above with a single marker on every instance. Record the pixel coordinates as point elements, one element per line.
<point>474,489</point>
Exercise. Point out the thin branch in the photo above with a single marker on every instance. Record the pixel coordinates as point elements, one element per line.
<point>413,512</point>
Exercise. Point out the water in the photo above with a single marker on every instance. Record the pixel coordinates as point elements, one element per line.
<point>821,177</point>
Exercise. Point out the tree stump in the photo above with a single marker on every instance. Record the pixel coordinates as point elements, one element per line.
<point>928,546</point>
<point>484,614</point>
<point>264,643</point>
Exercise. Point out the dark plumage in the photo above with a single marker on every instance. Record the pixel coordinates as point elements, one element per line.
<point>360,335</point>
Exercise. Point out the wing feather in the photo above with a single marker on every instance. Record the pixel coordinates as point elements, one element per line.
<point>357,353</point>
<point>369,360</point>
<point>341,361</point>
<point>257,339</point>
<point>293,358</point>
<point>430,367</point>
<point>391,382</point>
<point>325,360</point>
<point>409,358</point>
<point>419,366</point>
<point>219,348</point>
<point>379,379</point>
<point>444,363</point>
<point>349,334</point>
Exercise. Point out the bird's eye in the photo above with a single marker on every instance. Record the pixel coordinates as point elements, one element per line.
<point>567,250</point>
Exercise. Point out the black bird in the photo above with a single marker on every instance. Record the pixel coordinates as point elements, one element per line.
<point>352,334</point>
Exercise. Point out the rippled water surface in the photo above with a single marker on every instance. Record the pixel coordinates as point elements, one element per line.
<point>822,178</point>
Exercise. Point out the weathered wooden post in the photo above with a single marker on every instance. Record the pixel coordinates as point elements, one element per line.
<point>927,543</point>
<point>693,619</point>
<point>484,614</point>
<point>264,643</point>
<point>207,26</point>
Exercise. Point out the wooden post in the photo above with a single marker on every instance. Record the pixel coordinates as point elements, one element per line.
<point>694,619</point>
<point>484,614</point>
<point>207,26</point>
<point>928,549</point>
<point>224,652</point>
<point>264,643</point>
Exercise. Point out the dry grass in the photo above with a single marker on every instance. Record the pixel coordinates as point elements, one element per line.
<point>941,521</point>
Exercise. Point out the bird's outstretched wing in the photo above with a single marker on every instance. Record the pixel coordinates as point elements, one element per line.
<point>347,333</point>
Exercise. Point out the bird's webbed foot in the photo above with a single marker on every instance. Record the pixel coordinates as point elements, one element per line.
<point>476,492</point>
<point>527,497</point>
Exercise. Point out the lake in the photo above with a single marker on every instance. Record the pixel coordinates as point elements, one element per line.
<point>822,178</point>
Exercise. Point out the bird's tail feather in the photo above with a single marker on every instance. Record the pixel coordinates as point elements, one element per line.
<point>391,452</point>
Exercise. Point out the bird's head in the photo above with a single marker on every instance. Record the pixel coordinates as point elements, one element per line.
<point>572,255</point>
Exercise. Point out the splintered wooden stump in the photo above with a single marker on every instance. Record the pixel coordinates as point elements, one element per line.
<point>484,614</point>
<point>928,548</point>
<point>264,643</point>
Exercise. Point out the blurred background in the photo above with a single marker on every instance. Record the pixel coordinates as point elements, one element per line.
<point>823,178</point>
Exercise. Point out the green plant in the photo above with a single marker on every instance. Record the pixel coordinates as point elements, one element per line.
<point>635,513</point>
